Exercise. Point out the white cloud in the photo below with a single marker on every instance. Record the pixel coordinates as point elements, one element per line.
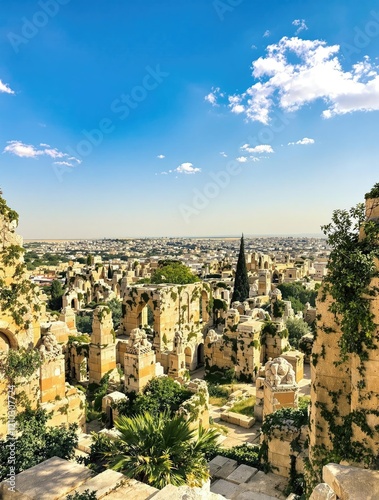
<point>72,158</point>
<point>302,142</point>
<point>67,163</point>
<point>22,150</point>
<point>300,23</point>
<point>213,96</point>
<point>187,168</point>
<point>296,72</point>
<point>5,88</point>
<point>266,34</point>
<point>242,159</point>
<point>161,157</point>
<point>222,153</point>
<point>262,148</point>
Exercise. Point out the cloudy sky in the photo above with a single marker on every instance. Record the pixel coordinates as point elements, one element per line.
<point>191,117</point>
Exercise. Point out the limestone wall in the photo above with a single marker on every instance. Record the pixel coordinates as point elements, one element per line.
<point>344,393</point>
<point>174,307</point>
<point>285,450</point>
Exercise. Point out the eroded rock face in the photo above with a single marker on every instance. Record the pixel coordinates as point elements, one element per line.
<point>49,347</point>
<point>279,372</point>
<point>323,492</point>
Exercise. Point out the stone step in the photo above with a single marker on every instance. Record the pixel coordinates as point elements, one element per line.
<point>134,490</point>
<point>103,483</point>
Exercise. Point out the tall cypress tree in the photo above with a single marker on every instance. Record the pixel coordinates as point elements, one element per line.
<point>241,281</point>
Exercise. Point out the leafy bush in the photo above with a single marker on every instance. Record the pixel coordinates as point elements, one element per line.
<point>86,495</point>
<point>161,394</point>
<point>36,442</point>
<point>244,454</point>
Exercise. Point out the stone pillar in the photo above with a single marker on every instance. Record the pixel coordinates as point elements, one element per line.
<point>280,387</point>
<point>102,349</point>
<point>68,316</point>
<point>139,361</point>
<point>177,358</point>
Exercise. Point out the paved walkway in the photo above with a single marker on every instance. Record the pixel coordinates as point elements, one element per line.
<point>238,435</point>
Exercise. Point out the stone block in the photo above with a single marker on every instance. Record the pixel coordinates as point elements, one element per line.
<point>49,480</point>
<point>323,492</point>
<point>350,483</point>
<point>103,483</point>
<point>242,474</point>
<point>224,488</point>
<point>226,469</point>
<point>246,422</point>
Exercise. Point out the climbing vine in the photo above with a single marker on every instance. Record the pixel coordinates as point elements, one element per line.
<point>20,363</point>
<point>349,281</point>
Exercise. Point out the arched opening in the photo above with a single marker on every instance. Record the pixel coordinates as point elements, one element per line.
<point>5,344</point>
<point>7,340</point>
<point>265,265</point>
<point>73,304</point>
<point>200,355</point>
<point>146,317</point>
<point>275,277</point>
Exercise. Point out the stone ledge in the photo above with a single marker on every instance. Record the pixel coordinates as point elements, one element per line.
<point>350,483</point>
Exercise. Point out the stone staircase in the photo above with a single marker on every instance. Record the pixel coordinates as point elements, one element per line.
<point>244,482</point>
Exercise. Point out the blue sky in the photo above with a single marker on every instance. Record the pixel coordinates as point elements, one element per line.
<point>122,118</point>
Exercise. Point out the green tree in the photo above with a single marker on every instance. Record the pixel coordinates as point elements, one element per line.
<point>296,327</point>
<point>115,306</point>
<point>241,280</point>
<point>159,450</point>
<point>174,272</point>
<point>56,293</point>
<point>36,442</point>
<point>161,394</point>
<point>84,324</point>
<point>291,291</point>
<point>297,305</point>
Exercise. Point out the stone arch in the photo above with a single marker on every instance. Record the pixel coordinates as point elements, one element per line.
<point>140,311</point>
<point>265,266</point>
<point>275,277</point>
<point>7,340</point>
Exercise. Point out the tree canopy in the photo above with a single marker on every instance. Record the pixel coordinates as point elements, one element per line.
<point>298,293</point>
<point>161,394</point>
<point>241,280</point>
<point>174,272</point>
<point>296,327</point>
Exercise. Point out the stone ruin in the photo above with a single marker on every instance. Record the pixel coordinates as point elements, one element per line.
<point>26,325</point>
